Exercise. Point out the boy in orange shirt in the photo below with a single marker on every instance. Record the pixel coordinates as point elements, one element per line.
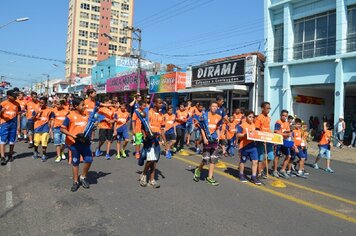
<point>73,126</point>
<point>23,121</point>
<point>222,138</point>
<point>42,118</point>
<point>59,114</point>
<point>137,128</point>
<point>121,118</point>
<point>9,124</point>
<point>169,130</point>
<point>31,106</point>
<point>198,112</point>
<point>182,117</point>
<point>325,147</point>
<point>299,148</point>
<point>231,131</point>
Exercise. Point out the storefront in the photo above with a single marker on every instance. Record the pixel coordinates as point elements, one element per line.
<point>125,86</point>
<point>167,85</point>
<point>238,79</point>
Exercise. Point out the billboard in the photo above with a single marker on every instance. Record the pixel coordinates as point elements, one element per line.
<point>167,83</point>
<point>125,83</point>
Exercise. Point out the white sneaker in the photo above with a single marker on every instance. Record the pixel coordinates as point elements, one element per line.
<point>143,180</point>
<point>154,184</point>
<point>58,159</point>
<point>63,156</point>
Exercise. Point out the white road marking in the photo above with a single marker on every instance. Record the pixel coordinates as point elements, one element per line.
<point>9,202</point>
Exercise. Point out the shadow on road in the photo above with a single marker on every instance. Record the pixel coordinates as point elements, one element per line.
<point>10,209</point>
<point>93,176</point>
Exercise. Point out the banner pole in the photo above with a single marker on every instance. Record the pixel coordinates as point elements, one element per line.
<point>266,155</point>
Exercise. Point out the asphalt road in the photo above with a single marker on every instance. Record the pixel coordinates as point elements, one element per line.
<point>35,199</point>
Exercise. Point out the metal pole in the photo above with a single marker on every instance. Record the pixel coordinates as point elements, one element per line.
<point>139,62</point>
<point>47,87</point>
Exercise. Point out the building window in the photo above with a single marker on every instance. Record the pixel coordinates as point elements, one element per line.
<point>93,44</point>
<point>115,4</point>
<point>83,33</point>
<point>81,70</point>
<point>82,42</point>
<point>93,53</point>
<point>96,1</point>
<point>315,36</point>
<point>82,61</point>
<point>94,35</point>
<point>95,17</point>
<point>125,7</point>
<point>123,32</point>
<point>82,51</point>
<point>94,26</point>
<point>351,29</point>
<point>95,8</point>
<point>115,13</point>
<point>114,30</point>
<point>112,47</point>
<point>84,15</point>
<point>122,49</point>
<point>114,21</point>
<point>84,24</point>
<point>278,43</point>
<point>91,62</point>
<point>85,6</point>
<point>123,40</point>
<point>124,15</point>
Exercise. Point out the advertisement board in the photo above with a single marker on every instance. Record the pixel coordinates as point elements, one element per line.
<point>125,83</point>
<point>265,137</point>
<point>167,83</point>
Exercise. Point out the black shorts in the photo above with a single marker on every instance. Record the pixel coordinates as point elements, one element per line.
<point>170,137</point>
<point>106,135</point>
<point>30,125</point>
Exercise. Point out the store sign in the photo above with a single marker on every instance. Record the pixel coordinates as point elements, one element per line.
<point>125,83</point>
<point>265,137</point>
<point>100,88</point>
<point>167,83</point>
<point>126,62</point>
<point>225,72</point>
<point>309,100</point>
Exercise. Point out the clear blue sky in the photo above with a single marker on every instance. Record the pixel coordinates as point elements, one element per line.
<point>180,31</point>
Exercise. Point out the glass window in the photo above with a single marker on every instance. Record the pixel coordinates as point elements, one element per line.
<point>112,47</point>
<point>94,35</point>
<point>351,29</point>
<point>278,43</point>
<point>125,7</point>
<point>83,33</point>
<point>85,6</point>
<point>95,8</point>
<point>95,17</point>
<point>93,44</point>
<point>94,26</point>
<point>84,15</point>
<point>82,61</point>
<point>82,51</point>
<point>82,42</point>
<point>84,24</point>
<point>123,40</point>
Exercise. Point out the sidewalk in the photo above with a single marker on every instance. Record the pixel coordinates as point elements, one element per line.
<point>345,154</point>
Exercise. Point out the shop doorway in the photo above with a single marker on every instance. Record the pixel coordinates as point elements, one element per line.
<point>350,109</point>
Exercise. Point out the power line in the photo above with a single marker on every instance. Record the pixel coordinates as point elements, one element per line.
<point>31,56</point>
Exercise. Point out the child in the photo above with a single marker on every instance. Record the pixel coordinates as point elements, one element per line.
<point>30,108</point>
<point>58,115</point>
<point>120,130</point>
<point>222,138</point>
<point>299,148</point>
<point>169,131</point>
<point>247,148</point>
<point>152,148</point>
<point>198,113</point>
<point>238,115</point>
<point>210,146</point>
<point>137,128</point>
<point>41,128</point>
<point>9,124</point>
<point>182,117</point>
<point>231,136</point>
<point>73,127</point>
<point>325,147</point>
<point>23,121</point>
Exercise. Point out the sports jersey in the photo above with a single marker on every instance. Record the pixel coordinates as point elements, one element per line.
<point>298,138</point>
<point>191,112</point>
<point>214,123</point>
<point>22,104</point>
<point>223,132</point>
<point>237,118</point>
<point>10,110</point>
<point>181,118</point>
<point>30,108</point>
<point>108,114</point>
<point>41,121</point>
<point>121,118</point>
<point>221,111</point>
<point>58,117</point>
<point>75,123</point>
<point>231,130</point>
<point>89,105</point>
<point>155,121</point>
<point>325,139</point>
<point>243,129</point>
<point>263,123</point>
<point>138,124</point>
<point>169,121</point>
<point>281,127</point>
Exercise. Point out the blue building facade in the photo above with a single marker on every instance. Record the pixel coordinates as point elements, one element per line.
<point>310,67</point>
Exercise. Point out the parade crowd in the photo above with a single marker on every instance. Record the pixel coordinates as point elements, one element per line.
<point>156,128</point>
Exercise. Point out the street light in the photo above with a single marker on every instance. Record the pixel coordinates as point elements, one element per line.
<point>22,19</point>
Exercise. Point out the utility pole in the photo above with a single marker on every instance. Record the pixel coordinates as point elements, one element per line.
<point>46,87</point>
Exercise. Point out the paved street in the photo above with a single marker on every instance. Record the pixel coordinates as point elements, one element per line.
<point>36,200</point>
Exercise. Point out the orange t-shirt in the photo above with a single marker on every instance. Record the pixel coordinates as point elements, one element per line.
<point>231,130</point>
<point>182,117</point>
<point>59,116</point>
<point>263,123</point>
<point>10,110</point>
<point>297,138</point>
<point>213,122</point>
<point>138,124</point>
<point>281,127</point>
<point>325,138</point>
<point>243,129</point>
<point>75,123</point>
<point>223,132</point>
<point>238,117</point>
<point>121,118</point>
<point>89,105</point>
<point>30,108</point>
<point>107,112</point>
<point>41,121</point>
<point>155,121</point>
<point>22,103</point>
<point>169,121</point>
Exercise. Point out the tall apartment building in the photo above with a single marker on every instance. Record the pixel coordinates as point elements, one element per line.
<point>95,32</point>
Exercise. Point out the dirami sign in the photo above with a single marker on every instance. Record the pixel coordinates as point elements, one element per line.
<point>125,83</point>
<point>167,83</point>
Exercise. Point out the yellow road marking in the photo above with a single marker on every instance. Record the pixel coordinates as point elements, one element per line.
<point>341,199</point>
<point>281,195</point>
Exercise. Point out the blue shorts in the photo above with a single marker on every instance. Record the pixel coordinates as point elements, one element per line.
<point>248,152</point>
<point>8,132</point>
<point>261,151</point>
<point>197,134</point>
<point>324,153</point>
<point>282,150</point>
<point>81,150</point>
<point>23,123</point>
<point>58,137</point>
<point>122,133</point>
<point>302,154</point>
<point>190,128</point>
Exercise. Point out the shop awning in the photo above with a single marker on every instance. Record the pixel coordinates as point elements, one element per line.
<point>233,87</point>
<point>200,89</point>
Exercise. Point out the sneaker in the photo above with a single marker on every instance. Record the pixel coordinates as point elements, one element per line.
<point>26,140</point>
<point>198,151</point>
<point>291,174</point>
<point>212,181</point>
<point>143,180</point>
<point>315,166</point>
<point>329,170</point>
<point>63,156</point>
<point>35,155</point>
<point>98,153</point>
<point>30,145</point>
<point>305,173</point>
<point>169,155</point>
<point>255,180</point>
<point>174,149</point>
<point>58,159</point>
<point>84,182</point>
<point>293,166</point>
<point>196,175</point>
<point>242,178</point>
<point>275,174</point>
<point>123,153</point>
<point>301,174</point>
<point>284,174</point>
<point>118,157</point>
<point>154,184</point>
<point>3,161</point>
<point>107,157</point>
<point>75,186</point>
<point>44,158</point>
<point>137,155</point>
